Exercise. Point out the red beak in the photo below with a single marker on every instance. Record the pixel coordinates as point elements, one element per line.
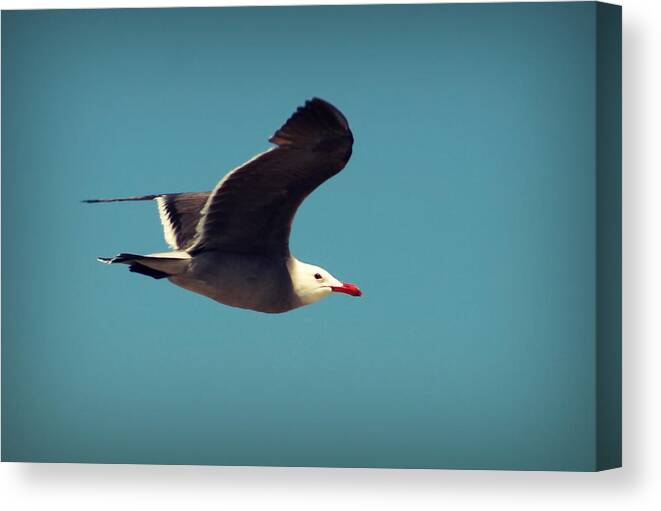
<point>350,289</point>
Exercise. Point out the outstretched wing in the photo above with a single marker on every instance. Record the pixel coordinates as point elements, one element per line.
<point>252,208</point>
<point>179,214</point>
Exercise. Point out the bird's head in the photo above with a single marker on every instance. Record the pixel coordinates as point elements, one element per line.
<point>312,283</point>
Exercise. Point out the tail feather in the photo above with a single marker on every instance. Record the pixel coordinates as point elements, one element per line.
<point>158,266</point>
<point>149,272</point>
<point>119,258</point>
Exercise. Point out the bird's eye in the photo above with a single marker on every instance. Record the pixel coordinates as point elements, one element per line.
<point>318,276</point>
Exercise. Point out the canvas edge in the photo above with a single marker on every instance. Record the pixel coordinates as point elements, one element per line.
<point>609,236</point>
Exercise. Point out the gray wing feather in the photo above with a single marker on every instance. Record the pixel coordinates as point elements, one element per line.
<point>252,208</point>
<point>180,214</point>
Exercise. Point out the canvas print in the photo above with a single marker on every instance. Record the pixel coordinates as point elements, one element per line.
<point>339,236</point>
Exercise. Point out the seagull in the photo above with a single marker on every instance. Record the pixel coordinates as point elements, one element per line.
<point>232,244</point>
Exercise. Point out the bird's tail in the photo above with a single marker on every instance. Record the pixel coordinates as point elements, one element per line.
<point>157,266</point>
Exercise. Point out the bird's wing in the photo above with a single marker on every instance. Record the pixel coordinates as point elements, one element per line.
<point>252,208</point>
<point>180,214</point>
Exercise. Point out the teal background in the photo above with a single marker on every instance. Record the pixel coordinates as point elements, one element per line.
<point>466,215</point>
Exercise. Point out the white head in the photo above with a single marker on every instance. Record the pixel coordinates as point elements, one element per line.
<point>312,283</point>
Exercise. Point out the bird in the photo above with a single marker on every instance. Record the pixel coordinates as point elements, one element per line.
<point>232,244</point>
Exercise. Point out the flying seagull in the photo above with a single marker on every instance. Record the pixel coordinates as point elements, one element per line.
<point>232,244</point>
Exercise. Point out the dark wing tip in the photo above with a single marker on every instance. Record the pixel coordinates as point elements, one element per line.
<point>122,199</point>
<point>313,125</point>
